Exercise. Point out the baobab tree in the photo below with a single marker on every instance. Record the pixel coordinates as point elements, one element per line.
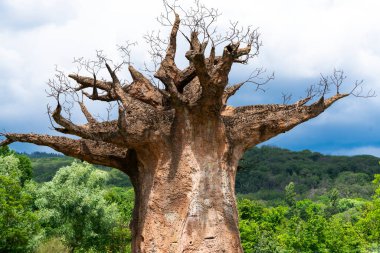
<point>175,135</point>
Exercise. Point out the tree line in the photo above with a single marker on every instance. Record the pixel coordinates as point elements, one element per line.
<point>264,172</point>
<point>78,210</point>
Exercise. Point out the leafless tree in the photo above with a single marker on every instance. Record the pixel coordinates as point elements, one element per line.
<point>174,135</point>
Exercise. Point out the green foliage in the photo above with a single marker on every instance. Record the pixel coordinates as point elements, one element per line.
<point>290,195</point>
<point>118,178</point>
<point>73,207</point>
<point>353,185</point>
<point>9,167</point>
<point>333,200</point>
<point>265,171</point>
<point>305,234</point>
<point>38,154</point>
<point>376,182</point>
<point>5,151</point>
<point>250,210</point>
<point>123,198</point>
<point>24,164</point>
<point>369,224</point>
<point>79,211</point>
<point>19,229</point>
<point>51,245</point>
<point>342,236</point>
<point>309,227</point>
<point>345,204</point>
<point>258,226</point>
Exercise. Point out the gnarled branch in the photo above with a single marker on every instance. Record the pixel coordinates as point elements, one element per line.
<point>99,131</point>
<point>141,89</point>
<point>95,152</point>
<point>251,125</point>
<point>230,91</point>
<point>197,58</point>
<point>87,114</point>
<point>254,78</point>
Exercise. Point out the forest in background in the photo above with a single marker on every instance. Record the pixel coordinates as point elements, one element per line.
<point>288,202</point>
<point>264,172</point>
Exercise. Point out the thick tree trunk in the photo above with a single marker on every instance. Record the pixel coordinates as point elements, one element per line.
<point>185,199</point>
<point>181,144</point>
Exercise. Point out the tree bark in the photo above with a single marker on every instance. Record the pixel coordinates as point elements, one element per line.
<point>180,144</point>
<point>185,197</point>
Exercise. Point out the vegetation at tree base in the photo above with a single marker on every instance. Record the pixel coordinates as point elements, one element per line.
<point>52,245</point>
<point>80,211</point>
<point>19,226</point>
<point>24,163</point>
<point>73,206</point>
<point>175,133</point>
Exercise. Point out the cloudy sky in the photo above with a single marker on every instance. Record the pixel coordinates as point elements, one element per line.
<point>301,40</point>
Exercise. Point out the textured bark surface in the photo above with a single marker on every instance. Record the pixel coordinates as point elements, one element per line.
<point>186,200</point>
<point>179,143</point>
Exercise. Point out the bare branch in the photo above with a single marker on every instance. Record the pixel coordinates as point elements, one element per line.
<point>230,91</point>
<point>156,50</point>
<point>250,125</point>
<point>336,80</point>
<point>115,79</point>
<point>324,85</point>
<point>5,142</point>
<point>95,152</point>
<point>254,78</point>
<point>357,91</point>
<point>185,77</point>
<point>197,58</point>
<point>86,113</point>
<point>116,86</point>
<point>122,121</point>
<point>143,90</point>
<point>105,131</point>
<point>172,47</point>
<point>286,98</point>
<point>88,82</point>
<point>125,49</point>
<point>302,102</point>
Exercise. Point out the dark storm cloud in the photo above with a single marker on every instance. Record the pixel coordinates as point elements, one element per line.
<point>347,125</point>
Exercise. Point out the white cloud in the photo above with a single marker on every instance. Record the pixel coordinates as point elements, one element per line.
<point>301,39</point>
<point>21,14</point>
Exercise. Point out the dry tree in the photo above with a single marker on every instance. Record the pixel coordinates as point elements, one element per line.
<point>174,135</point>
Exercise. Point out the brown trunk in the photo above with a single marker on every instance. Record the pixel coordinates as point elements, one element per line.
<point>180,144</point>
<point>185,199</point>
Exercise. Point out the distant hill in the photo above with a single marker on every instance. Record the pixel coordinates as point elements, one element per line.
<point>265,171</point>
<point>45,165</point>
<point>43,155</point>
